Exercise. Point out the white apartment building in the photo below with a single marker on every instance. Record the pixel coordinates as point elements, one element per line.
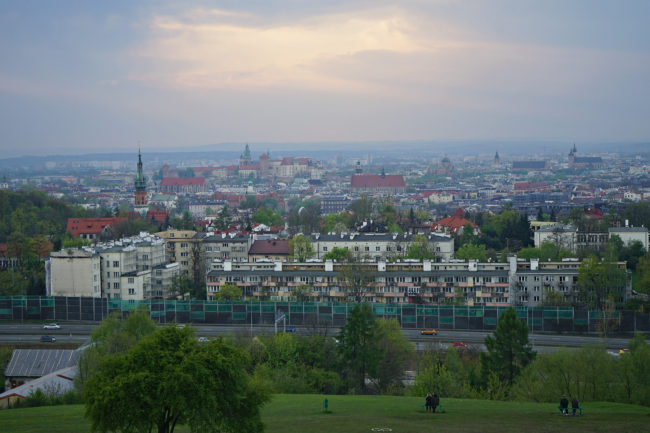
<point>73,272</point>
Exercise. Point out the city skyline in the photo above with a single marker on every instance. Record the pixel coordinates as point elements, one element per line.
<point>80,77</point>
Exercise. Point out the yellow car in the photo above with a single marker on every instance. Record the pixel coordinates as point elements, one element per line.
<point>622,351</point>
<point>429,332</point>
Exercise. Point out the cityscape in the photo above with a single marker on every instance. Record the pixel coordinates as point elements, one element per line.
<point>349,217</point>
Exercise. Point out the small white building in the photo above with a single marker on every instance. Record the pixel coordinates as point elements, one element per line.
<point>74,272</point>
<point>631,234</point>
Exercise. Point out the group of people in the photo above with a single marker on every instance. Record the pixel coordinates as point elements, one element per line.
<point>432,402</point>
<point>564,405</point>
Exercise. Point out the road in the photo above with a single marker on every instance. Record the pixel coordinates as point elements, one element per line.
<point>80,332</point>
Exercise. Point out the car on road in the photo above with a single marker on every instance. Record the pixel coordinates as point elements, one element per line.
<point>52,326</point>
<point>203,339</point>
<point>47,339</point>
<point>290,329</point>
<point>459,344</point>
<point>429,332</point>
<point>622,351</point>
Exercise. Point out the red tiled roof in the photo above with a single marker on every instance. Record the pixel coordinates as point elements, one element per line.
<point>377,181</point>
<point>182,181</point>
<point>288,160</point>
<point>270,247</point>
<point>454,223</point>
<point>79,226</point>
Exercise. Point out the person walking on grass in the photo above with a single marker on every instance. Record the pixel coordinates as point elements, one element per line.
<point>435,401</point>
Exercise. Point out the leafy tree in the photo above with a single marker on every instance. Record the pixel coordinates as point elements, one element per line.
<point>468,237</point>
<point>302,292</point>
<point>421,249</point>
<point>301,248</point>
<point>338,254</point>
<point>337,222</point>
<point>250,202</point>
<point>362,208</point>
<point>395,350</point>
<point>170,379</point>
<point>358,346</point>
<point>267,217</point>
<point>229,292</point>
<point>472,251</point>
<point>508,350</point>
<point>69,241</point>
<point>638,214</point>
<point>598,280</point>
<point>553,298</point>
<point>305,217</point>
<point>547,251</point>
<point>356,279</point>
<point>223,218</point>
<point>181,287</point>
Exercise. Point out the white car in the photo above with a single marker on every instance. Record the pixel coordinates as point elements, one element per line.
<point>51,326</point>
<point>204,340</point>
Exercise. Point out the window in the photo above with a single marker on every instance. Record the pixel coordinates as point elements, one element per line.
<point>367,248</point>
<point>388,248</point>
<point>377,249</point>
<point>324,248</point>
<point>184,254</point>
<point>356,248</point>
<point>116,285</point>
<point>94,277</point>
<point>131,291</point>
<point>116,274</point>
<point>145,257</point>
<point>183,244</point>
<point>185,263</point>
<point>116,264</point>
<point>131,280</point>
<point>171,235</point>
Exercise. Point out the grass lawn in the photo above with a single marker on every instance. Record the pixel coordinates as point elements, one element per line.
<point>303,413</point>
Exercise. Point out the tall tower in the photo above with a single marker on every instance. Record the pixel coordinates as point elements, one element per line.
<point>497,161</point>
<point>140,186</point>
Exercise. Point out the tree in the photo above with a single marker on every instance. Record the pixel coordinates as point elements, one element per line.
<point>223,218</point>
<point>170,379</point>
<point>468,237</point>
<point>361,208</point>
<point>229,292</point>
<point>472,251</point>
<point>301,248</point>
<point>358,345</point>
<point>338,254</point>
<point>267,217</point>
<point>421,249</point>
<point>302,292</point>
<point>395,351</point>
<point>598,280</point>
<point>355,279</point>
<point>553,298</point>
<point>508,350</point>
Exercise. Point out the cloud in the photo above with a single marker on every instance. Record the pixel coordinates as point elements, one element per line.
<point>216,49</point>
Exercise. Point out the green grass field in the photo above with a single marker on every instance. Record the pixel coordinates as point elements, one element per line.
<point>303,413</point>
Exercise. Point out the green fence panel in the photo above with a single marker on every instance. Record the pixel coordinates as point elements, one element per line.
<point>446,320</point>
<point>340,309</point>
<point>409,319</point>
<point>490,321</point>
<point>239,316</point>
<point>197,315</point>
<point>295,308</point>
<point>268,307</point>
<point>379,310</point>
<point>210,307</point>
<point>310,308</point>
<point>253,308</point>
<point>224,308</point>
<point>476,312</point>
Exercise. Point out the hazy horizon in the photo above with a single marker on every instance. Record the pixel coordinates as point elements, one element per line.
<point>86,77</point>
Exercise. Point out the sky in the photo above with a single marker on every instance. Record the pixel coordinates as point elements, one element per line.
<point>85,77</point>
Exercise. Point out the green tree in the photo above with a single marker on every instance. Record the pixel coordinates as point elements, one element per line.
<point>508,350</point>
<point>267,217</point>
<point>229,292</point>
<point>223,218</point>
<point>358,346</point>
<point>395,351</point>
<point>421,249</point>
<point>301,248</point>
<point>337,222</point>
<point>302,292</point>
<point>362,208</point>
<point>468,237</point>
<point>472,251</point>
<point>338,254</point>
<point>169,379</point>
<point>598,280</point>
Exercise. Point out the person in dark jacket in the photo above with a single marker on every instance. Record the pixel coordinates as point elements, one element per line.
<point>575,404</point>
<point>564,405</point>
<point>435,401</point>
<point>428,404</point>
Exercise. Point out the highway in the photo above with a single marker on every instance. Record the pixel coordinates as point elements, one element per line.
<point>80,332</point>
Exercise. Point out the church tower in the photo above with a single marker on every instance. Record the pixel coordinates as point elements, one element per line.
<point>140,186</point>
<point>245,158</point>
<point>497,161</point>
